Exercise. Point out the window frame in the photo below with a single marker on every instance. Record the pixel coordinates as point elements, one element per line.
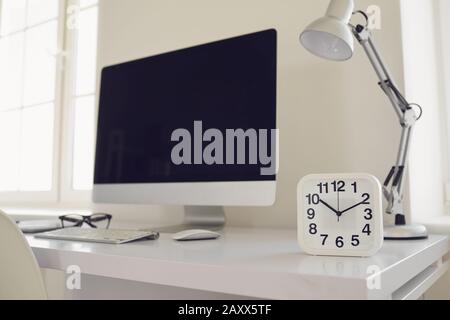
<point>62,190</point>
<point>67,192</point>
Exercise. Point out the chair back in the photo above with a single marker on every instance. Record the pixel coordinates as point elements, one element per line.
<point>20,275</point>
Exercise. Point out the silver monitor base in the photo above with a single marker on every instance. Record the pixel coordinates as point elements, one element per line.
<point>204,217</point>
<point>405,232</point>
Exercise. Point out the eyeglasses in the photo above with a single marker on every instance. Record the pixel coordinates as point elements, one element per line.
<point>96,220</point>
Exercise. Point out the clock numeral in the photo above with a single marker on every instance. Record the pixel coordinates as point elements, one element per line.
<point>324,240</point>
<point>311,214</point>
<point>355,189</point>
<point>368,213</point>
<point>355,240</point>
<point>323,187</point>
<point>366,230</point>
<point>313,198</point>
<point>313,228</point>
<point>338,186</point>
<point>339,242</point>
<point>366,198</point>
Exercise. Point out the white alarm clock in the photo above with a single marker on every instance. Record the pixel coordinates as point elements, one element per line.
<point>340,214</point>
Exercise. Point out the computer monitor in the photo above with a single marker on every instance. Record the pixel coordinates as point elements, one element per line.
<point>192,127</point>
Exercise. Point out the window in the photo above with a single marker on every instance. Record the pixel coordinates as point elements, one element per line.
<point>28,77</point>
<point>47,49</point>
<point>83,95</point>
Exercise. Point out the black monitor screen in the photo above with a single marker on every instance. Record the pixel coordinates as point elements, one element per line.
<point>201,114</point>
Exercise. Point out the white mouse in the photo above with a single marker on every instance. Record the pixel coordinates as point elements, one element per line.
<point>195,234</point>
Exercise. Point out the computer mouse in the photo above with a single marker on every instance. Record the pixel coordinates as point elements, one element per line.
<point>195,234</point>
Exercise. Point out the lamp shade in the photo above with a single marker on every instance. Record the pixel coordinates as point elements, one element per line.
<point>330,37</point>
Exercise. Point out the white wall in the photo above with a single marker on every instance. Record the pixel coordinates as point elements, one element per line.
<point>332,116</point>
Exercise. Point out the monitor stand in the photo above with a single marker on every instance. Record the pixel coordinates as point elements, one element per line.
<point>199,217</point>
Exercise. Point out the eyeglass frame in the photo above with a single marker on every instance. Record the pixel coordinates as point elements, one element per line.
<point>86,219</point>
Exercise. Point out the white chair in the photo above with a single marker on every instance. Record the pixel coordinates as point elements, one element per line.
<point>20,276</point>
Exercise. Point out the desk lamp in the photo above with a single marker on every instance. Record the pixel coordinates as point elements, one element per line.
<point>331,37</point>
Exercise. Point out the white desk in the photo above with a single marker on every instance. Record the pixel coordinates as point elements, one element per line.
<point>256,263</point>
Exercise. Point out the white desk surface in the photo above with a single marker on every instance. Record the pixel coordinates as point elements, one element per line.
<point>256,263</point>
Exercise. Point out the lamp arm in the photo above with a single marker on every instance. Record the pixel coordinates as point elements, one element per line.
<point>393,185</point>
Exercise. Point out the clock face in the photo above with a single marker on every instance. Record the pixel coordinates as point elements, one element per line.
<point>340,215</point>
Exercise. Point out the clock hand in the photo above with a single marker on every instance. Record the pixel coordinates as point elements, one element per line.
<point>329,207</point>
<point>338,209</point>
<point>338,200</point>
<point>352,207</point>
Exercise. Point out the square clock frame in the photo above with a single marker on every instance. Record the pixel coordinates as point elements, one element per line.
<point>340,214</point>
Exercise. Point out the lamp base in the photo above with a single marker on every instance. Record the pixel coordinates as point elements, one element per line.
<point>406,232</point>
